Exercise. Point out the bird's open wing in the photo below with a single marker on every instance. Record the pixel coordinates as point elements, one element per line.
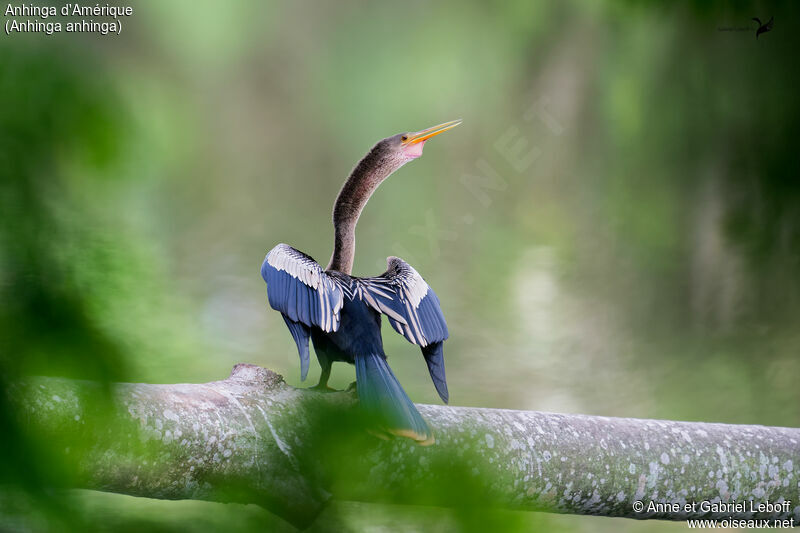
<point>413,310</point>
<point>305,295</point>
<point>411,305</point>
<point>299,288</point>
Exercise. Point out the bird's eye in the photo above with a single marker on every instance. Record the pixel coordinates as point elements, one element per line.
<point>404,138</point>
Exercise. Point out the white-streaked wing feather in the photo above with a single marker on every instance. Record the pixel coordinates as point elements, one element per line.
<point>401,294</point>
<point>326,292</point>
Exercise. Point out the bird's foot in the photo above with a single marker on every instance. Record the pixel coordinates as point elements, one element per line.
<point>322,387</point>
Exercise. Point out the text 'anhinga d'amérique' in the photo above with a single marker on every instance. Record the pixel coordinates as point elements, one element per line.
<point>341,313</point>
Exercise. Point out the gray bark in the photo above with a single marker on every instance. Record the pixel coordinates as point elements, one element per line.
<point>253,439</point>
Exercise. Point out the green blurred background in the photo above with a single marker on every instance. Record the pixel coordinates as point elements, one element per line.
<point>639,258</point>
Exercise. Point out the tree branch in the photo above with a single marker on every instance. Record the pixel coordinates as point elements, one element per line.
<point>253,439</point>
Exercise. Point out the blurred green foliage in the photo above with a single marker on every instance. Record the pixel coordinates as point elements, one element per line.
<point>645,264</point>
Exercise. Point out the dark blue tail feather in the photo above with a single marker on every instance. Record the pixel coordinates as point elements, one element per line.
<point>382,396</point>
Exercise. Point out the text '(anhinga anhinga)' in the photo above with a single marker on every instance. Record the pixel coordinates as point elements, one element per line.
<point>342,313</point>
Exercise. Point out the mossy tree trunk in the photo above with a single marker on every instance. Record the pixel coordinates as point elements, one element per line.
<point>253,439</point>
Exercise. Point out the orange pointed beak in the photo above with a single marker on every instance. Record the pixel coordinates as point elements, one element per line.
<point>424,135</point>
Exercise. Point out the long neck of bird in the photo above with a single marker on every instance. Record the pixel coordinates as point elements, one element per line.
<point>356,191</point>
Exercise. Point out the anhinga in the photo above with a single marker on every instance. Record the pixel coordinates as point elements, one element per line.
<point>341,313</point>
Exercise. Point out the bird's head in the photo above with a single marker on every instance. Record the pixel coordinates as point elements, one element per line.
<point>404,147</point>
<point>381,161</point>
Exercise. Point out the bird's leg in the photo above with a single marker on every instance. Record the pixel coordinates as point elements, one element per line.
<point>324,376</point>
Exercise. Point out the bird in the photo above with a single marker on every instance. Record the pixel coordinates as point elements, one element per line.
<point>764,28</point>
<point>341,313</point>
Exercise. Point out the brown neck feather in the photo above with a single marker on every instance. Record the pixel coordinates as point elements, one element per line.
<point>356,191</point>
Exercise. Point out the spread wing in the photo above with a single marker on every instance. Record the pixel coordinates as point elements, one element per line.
<point>299,288</point>
<point>410,304</point>
<point>306,295</point>
<point>413,310</point>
